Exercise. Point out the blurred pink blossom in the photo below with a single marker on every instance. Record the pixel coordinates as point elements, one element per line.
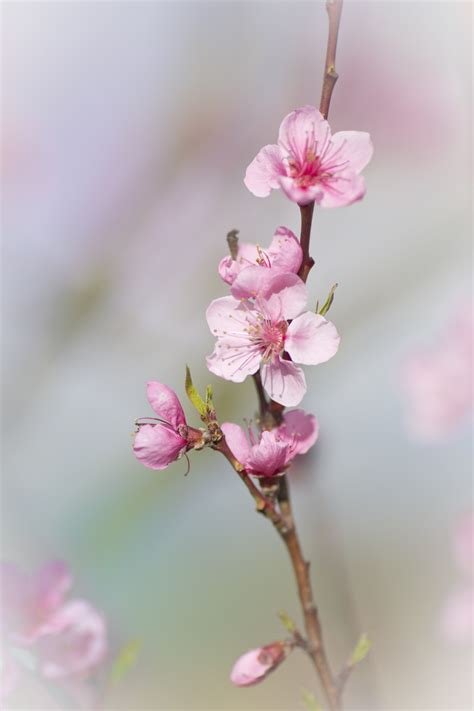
<point>457,617</point>
<point>271,452</point>
<point>284,255</point>
<point>253,666</point>
<point>253,332</point>
<point>309,164</point>
<point>438,380</point>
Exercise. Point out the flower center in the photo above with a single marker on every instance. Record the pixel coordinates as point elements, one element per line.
<point>269,336</point>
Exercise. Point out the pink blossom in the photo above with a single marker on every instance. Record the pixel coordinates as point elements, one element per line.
<point>159,444</point>
<point>253,666</point>
<point>284,255</point>
<point>438,381</point>
<point>310,164</point>
<point>272,451</point>
<point>29,601</point>
<point>457,617</point>
<point>254,331</point>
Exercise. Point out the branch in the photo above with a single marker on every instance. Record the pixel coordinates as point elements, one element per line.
<point>334,9</point>
<point>305,237</point>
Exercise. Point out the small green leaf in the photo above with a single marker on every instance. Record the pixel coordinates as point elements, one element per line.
<point>361,649</point>
<point>209,397</point>
<point>310,701</point>
<point>125,660</point>
<point>193,394</point>
<point>286,621</point>
<point>327,304</point>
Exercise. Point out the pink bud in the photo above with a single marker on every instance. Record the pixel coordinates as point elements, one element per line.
<point>253,666</point>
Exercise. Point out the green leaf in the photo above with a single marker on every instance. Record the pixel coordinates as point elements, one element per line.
<point>361,649</point>
<point>209,397</point>
<point>193,394</point>
<point>310,701</point>
<point>327,304</point>
<point>287,622</point>
<point>125,660</point>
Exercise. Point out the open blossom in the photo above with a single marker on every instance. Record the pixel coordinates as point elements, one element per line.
<point>438,380</point>
<point>253,332</point>
<point>310,164</point>
<point>66,638</point>
<point>271,452</point>
<point>253,666</point>
<point>162,442</point>
<point>457,618</point>
<point>283,255</point>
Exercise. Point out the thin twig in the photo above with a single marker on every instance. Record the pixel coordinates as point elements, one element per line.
<point>305,237</point>
<point>334,9</point>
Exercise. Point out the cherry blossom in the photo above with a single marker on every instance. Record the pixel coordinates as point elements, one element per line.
<point>253,666</point>
<point>310,164</point>
<point>271,452</point>
<point>283,255</point>
<point>264,325</point>
<point>162,442</point>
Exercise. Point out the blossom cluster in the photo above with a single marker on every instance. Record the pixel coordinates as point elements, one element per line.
<point>264,327</point>
<point>64,640</point>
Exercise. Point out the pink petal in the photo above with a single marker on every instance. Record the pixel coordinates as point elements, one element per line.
<point>356,147</point>
<point>51,584</point>
<point>76,643</point>
<point>300,129</point>
<point>311,339</point>
<point>457,618</point>
<point>268,457</point>
<point>301,195</point>
<point>226,317</point>
<point>342,190</point>
<point>262,173</point>
<point>252,282</point>
<point>284,382</point>
<point>253,666</point>
<point>464,543</point>
<point>233,361</point>
<point>285,251</point>
<point>237,441</point>
<point>165,403</point>
<point>157,446</point>
<point>292,295</point>
<point>230,268</point>
<point>10,675</point>
<point>299,428</point>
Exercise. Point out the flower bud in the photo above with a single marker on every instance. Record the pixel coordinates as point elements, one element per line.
<point>253,666</point>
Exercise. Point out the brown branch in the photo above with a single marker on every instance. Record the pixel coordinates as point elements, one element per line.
<point>305,237</point>
<point>334,9</point>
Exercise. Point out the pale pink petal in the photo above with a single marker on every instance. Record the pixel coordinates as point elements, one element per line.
<point>165,403</point>
<point>286,296</point>
<point>300,429</point>
<point>50,585</point>
<point>301,129</point>
<point>262,173</point>
<point>252,282</point>
<point>311,339</point>
<point>342,190</point>
<point>15,598</point>
<point>285,251</point>
<point>226,316</point>
<point>76,643</point>
<point>237,441</point>
<point>355,147</point>
<point>269,456</point>
<point>464,543</point>
<point>457,618</point>
<point>253,666</point>
<point>284,382</point>
<point>233,361</point>
<point>156,446</point>
<point>10,675</point>
<point>229,268</point>
<point>302,195</point>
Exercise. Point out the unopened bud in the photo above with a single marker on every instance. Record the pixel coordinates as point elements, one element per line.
<point>253,666</point>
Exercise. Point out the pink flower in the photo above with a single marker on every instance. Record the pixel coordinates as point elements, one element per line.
<point>272,452</point>
<point>310,164</point>
<point>253,331</point>
<point>284,255</point>
<point>438,381</point>
<point>457,617</point>
<point>253,666</point>
<point>29,601</point>
<point>159,444</point>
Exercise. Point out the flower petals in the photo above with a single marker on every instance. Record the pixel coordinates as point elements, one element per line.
<point>355,147</point>
<point>284,382</point>
<point>299,428</point>
<point>311,339</point>
<point>262,174</point>
<point>237,441</point>
<point>165,403</point>
<point>157,446</point>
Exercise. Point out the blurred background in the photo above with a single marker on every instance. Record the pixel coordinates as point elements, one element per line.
<point>126,131</point>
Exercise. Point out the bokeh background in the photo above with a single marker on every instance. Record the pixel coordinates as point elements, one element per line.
<point>126,131</point>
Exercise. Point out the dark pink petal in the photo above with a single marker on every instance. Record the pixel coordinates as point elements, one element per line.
<point>300,429</point>
<point>76,642</point>
<point>311,339</point>
<point>355,147</point>
<point>157,446</point>
<point>285,251</point>
<point>262,173</point>
<point>284,382</point>
<point>269,456</point>
<point>165,403</point>
<point>253,666</point>
<point>237,441</point>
